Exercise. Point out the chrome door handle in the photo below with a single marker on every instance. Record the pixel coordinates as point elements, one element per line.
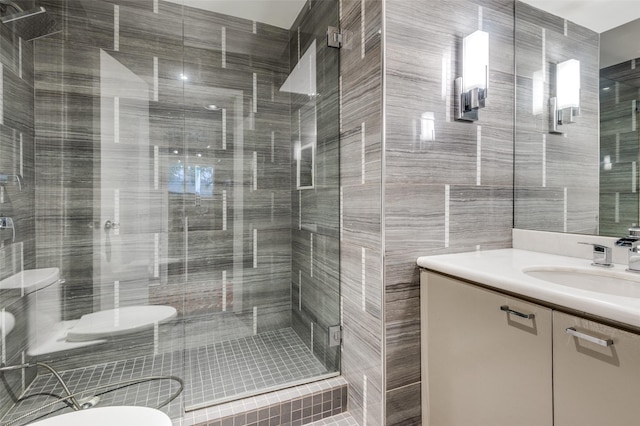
<point>602,342</point>
<point>506,309</point>
<point>108,225</point>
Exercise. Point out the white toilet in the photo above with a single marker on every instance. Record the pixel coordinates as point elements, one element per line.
<point>108,416</point>
<point>49,334</point>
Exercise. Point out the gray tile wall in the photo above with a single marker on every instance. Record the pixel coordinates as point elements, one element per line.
<point>315,291</point>
<point>179,122</point>
<point>361,195</point>
<point>451,194</point>
<point>68,158</point>
<point>16,158</point>
<point>619,94</point>
<point>213,51</point>
<point>557,176</point>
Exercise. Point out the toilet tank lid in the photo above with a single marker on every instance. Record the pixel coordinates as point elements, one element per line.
<point>31,280</point>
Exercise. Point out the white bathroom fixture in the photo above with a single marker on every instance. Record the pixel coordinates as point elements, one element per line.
<point>115,322</point>
<point>31,280</point>
<point>565,105</point>
<point>616,283</point>
<point>512,270</point>
<point>48,333</point>
<point>470,90</point>
<point>108,416</point>
<point>7,322</point>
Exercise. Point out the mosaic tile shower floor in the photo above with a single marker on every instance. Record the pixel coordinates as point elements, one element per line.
<point>215,372</point>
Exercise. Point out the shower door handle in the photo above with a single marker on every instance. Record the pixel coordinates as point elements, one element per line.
<point>109,225</point>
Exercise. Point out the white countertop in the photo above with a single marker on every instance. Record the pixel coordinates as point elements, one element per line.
<point>503,270</point>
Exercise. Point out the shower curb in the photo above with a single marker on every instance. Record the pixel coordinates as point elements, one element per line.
<point>295,406</point>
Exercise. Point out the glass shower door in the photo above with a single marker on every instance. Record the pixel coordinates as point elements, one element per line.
<point>262,251</point>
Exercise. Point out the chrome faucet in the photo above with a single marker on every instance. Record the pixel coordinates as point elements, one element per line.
<point>634,257</point>
<point>601,255</point>
<point>632,241</point>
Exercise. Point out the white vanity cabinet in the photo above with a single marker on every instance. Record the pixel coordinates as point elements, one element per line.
<point>596,376</point>
<point>486,366</point>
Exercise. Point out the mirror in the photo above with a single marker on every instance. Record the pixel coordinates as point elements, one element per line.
<point>581,175</point>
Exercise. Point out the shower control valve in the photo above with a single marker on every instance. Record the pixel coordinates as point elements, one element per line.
<point>108,225</point>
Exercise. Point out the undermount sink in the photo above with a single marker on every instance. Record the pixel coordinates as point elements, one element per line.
<point>625,284</point>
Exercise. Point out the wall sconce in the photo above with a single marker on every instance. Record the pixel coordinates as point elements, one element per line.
<point>427,127</point>
<point>565,106</point>
<point>471,89</point>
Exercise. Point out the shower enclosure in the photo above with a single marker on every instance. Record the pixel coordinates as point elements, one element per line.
<point>180,166</point>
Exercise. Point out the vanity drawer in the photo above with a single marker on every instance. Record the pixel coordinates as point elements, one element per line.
<point>596,374</point>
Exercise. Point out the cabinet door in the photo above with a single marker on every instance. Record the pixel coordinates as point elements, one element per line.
<point>483,366</point>
<point>595,385</point>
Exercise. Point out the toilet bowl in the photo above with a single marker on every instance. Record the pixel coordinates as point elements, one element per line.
<point>109,416</point>
<point>48,333</point>
<point>7,322</point>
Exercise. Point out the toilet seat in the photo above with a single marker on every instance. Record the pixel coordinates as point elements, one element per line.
<point>109,416</point>
<point>116,322</point>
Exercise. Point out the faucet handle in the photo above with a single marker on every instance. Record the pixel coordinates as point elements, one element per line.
<point>601,255</point>
<point>7,223</point>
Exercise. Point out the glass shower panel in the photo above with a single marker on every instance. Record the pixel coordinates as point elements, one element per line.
<point>249,327</point>
<point>619,153</point>
<point>167,150</point>
<point>108,119</point>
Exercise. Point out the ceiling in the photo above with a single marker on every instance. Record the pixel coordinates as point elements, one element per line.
<point>280,13</point>
<point>598,15</point>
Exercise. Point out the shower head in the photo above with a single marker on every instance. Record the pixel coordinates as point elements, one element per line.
<point>29,24</point>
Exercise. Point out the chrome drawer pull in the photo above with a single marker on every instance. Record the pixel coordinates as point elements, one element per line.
<point>606,343</point>
<point>506,309</point>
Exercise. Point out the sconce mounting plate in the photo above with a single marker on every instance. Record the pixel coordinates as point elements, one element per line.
<point>465,107</point>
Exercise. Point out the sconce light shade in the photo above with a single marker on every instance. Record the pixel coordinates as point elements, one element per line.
<point>565,106</point>
<point>475,62</point>
<point>568,84</point>
<point>471,89</point>
<point>427,127</point>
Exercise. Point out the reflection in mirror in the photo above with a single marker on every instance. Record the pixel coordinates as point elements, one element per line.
<point>583,178</point>
<point>305,167</point>
<point>306,149</point>
<point>619,153</point>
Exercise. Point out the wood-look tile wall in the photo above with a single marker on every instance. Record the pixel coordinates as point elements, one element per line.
<point>361,198</point>
<point>16,158</point>
<point>450,194</point>
<point>225,61</point>
<point>315,289</point>
<point>557,176</point>
<point>619,145</point>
